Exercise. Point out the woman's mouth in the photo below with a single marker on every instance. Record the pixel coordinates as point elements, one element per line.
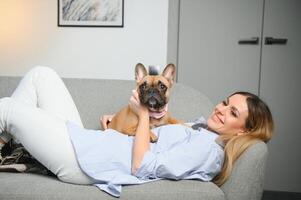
<point>217,119</point>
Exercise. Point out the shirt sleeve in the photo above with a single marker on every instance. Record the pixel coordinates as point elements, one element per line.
<point>200,160</point>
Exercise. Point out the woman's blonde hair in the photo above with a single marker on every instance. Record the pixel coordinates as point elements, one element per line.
<point>259,126</point>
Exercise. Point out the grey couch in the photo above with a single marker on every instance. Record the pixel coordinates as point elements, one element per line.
<point>97,97</point>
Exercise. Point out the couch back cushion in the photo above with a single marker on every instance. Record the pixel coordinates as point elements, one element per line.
<point>95,97</point>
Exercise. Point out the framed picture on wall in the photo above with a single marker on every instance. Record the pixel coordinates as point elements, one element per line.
<point>96,13</point>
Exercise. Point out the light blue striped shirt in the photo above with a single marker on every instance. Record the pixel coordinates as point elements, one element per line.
<point>179,153</point>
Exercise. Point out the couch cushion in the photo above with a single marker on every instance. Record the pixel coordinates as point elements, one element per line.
<point>248,174</point>
<point>95,97</point>
<point>40,187</point>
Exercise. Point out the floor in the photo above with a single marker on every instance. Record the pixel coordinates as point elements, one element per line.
<point>275,195</point>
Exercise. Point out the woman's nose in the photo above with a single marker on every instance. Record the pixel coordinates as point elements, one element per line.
<point>220,109</point>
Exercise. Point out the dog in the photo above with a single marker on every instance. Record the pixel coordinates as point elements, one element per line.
<point>154,91</point>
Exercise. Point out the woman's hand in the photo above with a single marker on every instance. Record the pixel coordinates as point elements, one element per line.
<point>105,120</point>
<point>136,107</point>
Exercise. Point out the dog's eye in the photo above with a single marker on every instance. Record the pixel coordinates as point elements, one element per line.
<point>143,86</point>
<point>162,86</point>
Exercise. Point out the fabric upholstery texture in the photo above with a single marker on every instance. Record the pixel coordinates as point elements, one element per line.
<point>39,187</point>
<point>97,97</point>
<point>246,181</point>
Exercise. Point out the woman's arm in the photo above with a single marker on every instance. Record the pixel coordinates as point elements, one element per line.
<point>142,137</point>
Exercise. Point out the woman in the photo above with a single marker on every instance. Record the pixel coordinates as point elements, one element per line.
<point>43,117</point>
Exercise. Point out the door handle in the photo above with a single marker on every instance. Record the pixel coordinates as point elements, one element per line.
<point>252,40</point>
<point>271,41</point>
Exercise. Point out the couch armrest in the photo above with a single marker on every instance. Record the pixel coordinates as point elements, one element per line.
<point>247,178</point>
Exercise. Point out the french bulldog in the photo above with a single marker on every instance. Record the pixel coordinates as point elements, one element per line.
<point>154,92</point>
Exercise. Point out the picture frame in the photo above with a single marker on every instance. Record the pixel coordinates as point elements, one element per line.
<point>83,13</point>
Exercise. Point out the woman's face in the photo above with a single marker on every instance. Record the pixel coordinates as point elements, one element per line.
<point>228,117</point>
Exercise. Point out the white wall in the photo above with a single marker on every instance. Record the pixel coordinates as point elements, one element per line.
<point>29,36</point>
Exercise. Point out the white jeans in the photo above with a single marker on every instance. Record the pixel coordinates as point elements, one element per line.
<point>36,114</point>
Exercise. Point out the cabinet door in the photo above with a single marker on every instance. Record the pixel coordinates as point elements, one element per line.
<point>280,88</point>
<point>210,58</point>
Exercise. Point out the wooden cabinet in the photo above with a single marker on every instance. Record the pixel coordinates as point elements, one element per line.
<point>225,46</point>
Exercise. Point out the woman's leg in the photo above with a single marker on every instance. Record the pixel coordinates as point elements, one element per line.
<point>44,135</point>
<point>42,87</point>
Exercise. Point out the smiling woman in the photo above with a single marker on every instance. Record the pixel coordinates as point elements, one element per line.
<point>242,120</point>
<point>229,116</point>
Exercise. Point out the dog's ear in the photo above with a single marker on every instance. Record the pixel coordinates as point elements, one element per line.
<point>140,72</point>
<point>170,73</point>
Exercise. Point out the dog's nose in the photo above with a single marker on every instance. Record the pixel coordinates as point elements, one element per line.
<point>151,91</point>
<point>152,102</point>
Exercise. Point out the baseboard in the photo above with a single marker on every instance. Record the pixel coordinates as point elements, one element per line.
<point>280,195</point>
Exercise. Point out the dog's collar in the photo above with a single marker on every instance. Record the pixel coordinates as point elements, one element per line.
<point>158,115</point>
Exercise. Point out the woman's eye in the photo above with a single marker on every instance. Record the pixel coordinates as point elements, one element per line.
<point>233,113</point>
<point>224,103</point>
